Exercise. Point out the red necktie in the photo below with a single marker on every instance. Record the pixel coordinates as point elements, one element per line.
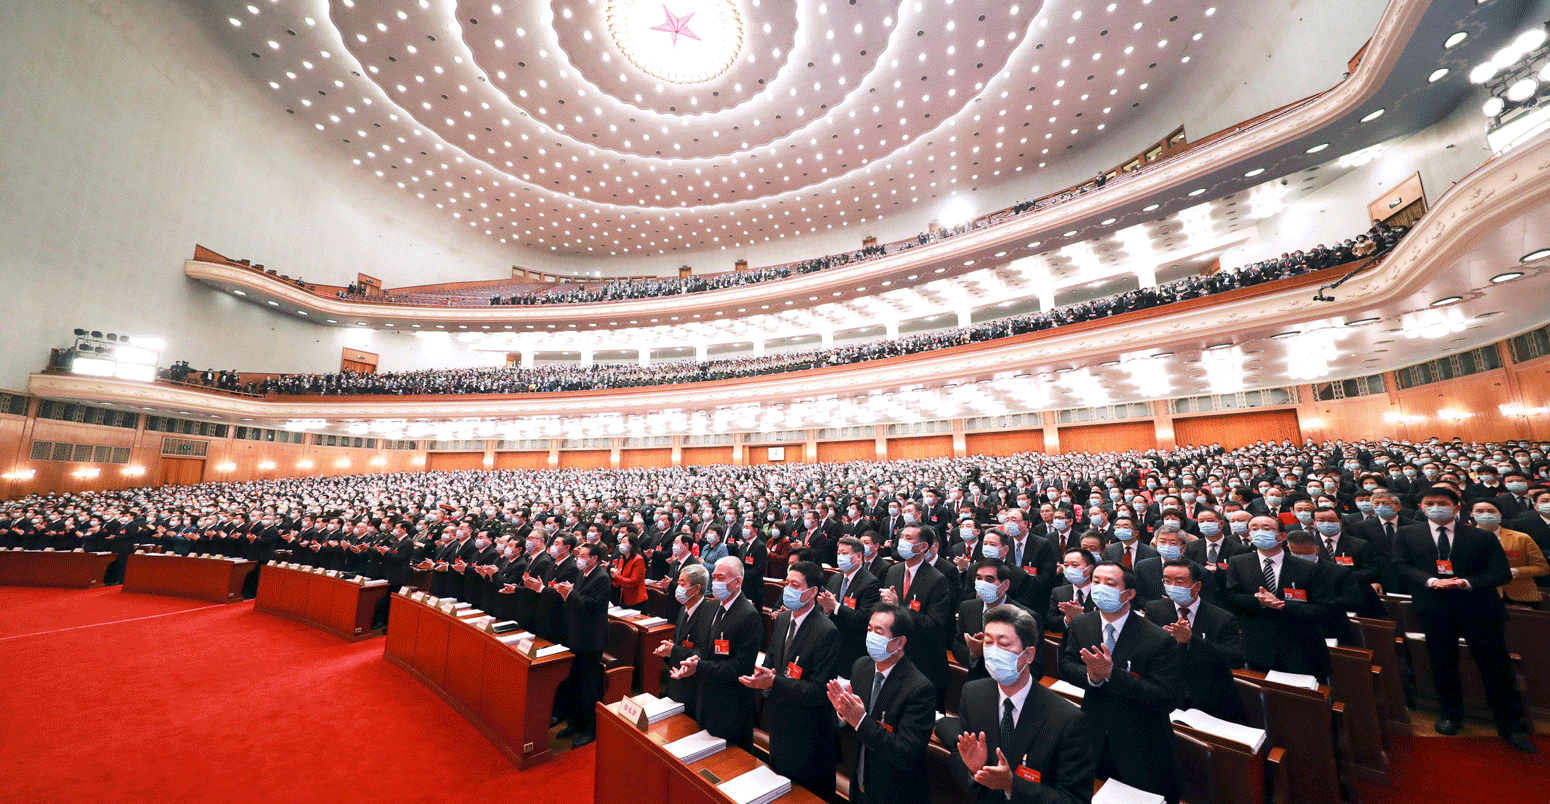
<point>906,585</point>
<point>1127,558</point>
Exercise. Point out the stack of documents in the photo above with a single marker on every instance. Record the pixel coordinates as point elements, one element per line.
<point>647,622</point>
<point>1116,792</point>
<point>1251,737</point>
<point>758,786</point>
<point>623,613</point>
<point>1292,680</point>
<point>550,651</point>
<point>1067,688</point>
<point>514,638</point>
<point>658,708</point>
<point>696,747</point>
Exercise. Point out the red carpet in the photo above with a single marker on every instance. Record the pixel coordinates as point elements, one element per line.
<point>227,705</point>
<point>162,699</point>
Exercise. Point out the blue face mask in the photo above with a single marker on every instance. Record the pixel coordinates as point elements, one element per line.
<point>1076,576</point>
<point>1107,599</point>
<point>991,551</point>
<point>1441,514</point>
<point>1001,664</point>
<point>1124,534</point>
<point>1210,529</point>
<point>792,598</point>
<point>877,646</point>
<point>1180,595</point>
<point>1384,511</point>
<point>719,590</point>
<point>1364,506</point>
<point>1240,528</point>
<point>681,593</point>
<point>846,562</point>
<point>986,590</point>
<point>1169,552</point>
<point>1264,539</point>
<point>906,550</point>
<point>1013,529</point>
<point>1328,528</point>
<point>1488,521</point>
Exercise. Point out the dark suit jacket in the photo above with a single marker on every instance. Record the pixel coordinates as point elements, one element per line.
<point>1052,738</point>
<point>1129,713</point>
<point>1054,618</point>
<point>1378,541</point>
<point>1215,649</point>
<point>853,612</point>
<point>586,613</point>
<point>726,706</point>
<point>895,754</point>
<point>931,598</point>
<point>688,634</point>
<point>803,742</point>
<point>1477,557</point>
<point>1508,504</point>
<point>1116,552</point>
<point>1287,639</point>
<point>1149,581</point>
<point>971,621</point>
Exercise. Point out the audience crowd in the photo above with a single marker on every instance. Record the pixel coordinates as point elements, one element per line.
<point>572,377</point>
<point>1249,557</point>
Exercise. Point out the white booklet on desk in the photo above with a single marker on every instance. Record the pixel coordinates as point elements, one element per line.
<point>649,622</point>
<point>658,708</point>
<point>514,637</point>
<point>550,651</point>
<point>1293,680</point>
<point>1067,688</point>
<point>696,747</point>
<point>758,786</point>
<point>624,613</point>
<point>1247,736</point>
<point>1116,792</point>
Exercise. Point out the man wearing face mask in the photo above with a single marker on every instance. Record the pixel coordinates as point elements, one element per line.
<point>849,598</point>
<point>1035,555</point>
<point>691,629</point>
<point>1169,542</point>
<point>1210,642</point>
<point>479,577</point>
<point>1129,671</point>
<point>803,655</point>
<point>586,634</point>
<point>1129,549</point>
<point>890,707</point>
<point>535,561</point>
<point>1342,592</point>
<point>877,560</point>
<point>1279,604</point>
<point>1514,502</point>
<point>731,650</point>
<point>1073,597</point>
<point>1014,739</point>
<point>1453,571</point>
<point>918,586</point>
<point>1366,565</point>
<point>992,587</point>
<point>550,615</point>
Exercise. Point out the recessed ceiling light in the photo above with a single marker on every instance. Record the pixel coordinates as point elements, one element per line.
<point>1437,75</point>
<point>1446,301</point>
<point>1535,255</point>
<point>1150,207</point>
<point>239,293</point>
<point>1284,335</point>
<point>1360,321</point>
<point>1255,172</point>
<point>1215,346</point>
<point>1455,39</point>
<point>1162,355</point>
<point>333,321</point>
<point>272,303</point>
<point>1109,363</point>
<point>301,312</point>
<point>1196,191</point>
<point>1507,277</point>
<point>1315,149</point>
<point>1373,115</point>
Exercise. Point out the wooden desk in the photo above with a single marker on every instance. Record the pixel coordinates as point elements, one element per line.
<point>340,607</point>
<point>646,661</point>
<point>632,768</point>
<point>506,696</point>
<point>218,580</point>
<point>1303,722</point>
<point>39,568</point>
<point>1355,680</point>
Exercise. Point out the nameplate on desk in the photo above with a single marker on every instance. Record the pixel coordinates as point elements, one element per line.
<point>48,549</point>
<point>318,570</point>
<point>271,563</point>
<point>79,550</point>
<point>633,712</point>
<point>448,608</point>
<point>710,777</point>
<point>406,591</point>
<point>525,646</point>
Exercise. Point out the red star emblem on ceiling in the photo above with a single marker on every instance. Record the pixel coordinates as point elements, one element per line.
<point>675,25</point>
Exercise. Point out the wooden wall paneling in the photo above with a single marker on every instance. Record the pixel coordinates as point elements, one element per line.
<point>1477,394</point>
<point>180,471</point>
<point>1004,442</point>
<point>646,458</point>
<point>584,458</point>
<point>759,454</point>
<point>915,447</point>
<point>1534,390</point>
<point>1118,436</point>
<point>522,460</point>
<point>704,456</point>
<point>455,461</point>
<point>1233,430</point>
<point>842,451</point>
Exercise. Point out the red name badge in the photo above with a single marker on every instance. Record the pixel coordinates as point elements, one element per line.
<point>1514,555</point>
<point>792,671</point>
<point>1222,565</point>
<point>1028,773</point>
<point>1034,571</point>
<point>1345,560</point>
<point>915,605</point>
<point>850,602</point>
<point>1444,567</point>
<point>1297,594</point>
<point>723,648</point>
<point>689,644</point>
<point>885,726</point>
<point>748,559</point>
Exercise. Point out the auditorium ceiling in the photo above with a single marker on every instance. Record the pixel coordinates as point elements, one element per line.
<point>608,127</point>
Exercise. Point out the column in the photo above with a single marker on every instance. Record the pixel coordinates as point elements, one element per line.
<point>828,338</point>
<point>645,355</point>
<point>739,455</point>
<point>527,358</point>
<point>812,437</point>
<point>586,358</point>
<point>1146,275</point>
<point>1051,433</point>
<point>758,347</point>
<point>554,452</point>
<point>960,441</point>
<point>965,316</point>
<point>701,352</point>
<point>1046,295</point>
<point>892,327</point>
<point>678,451</point>
<point>613,453</point>
<point>880,436</point>
<point>1162,418</point>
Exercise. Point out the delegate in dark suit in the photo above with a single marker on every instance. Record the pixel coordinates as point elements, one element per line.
<point>1475,614</point>
<point>690,632</point>
<point>1287,639</point>
<point>803,743</point>
<point>586,634</point>
<point>854,599</point>
<point>1215,649</point>
<point>1051,738</point>
<point>931,598</point>
<point>732,649</point>
<point>1129,711</point>
<point>971,621</point>
<point>891,738</point>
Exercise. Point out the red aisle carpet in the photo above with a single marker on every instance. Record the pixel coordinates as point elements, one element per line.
<point>115,697</point>
<point>222,704</point>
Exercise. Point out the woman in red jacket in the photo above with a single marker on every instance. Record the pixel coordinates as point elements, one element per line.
<point>629,573</point>
<point>779,546</point>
